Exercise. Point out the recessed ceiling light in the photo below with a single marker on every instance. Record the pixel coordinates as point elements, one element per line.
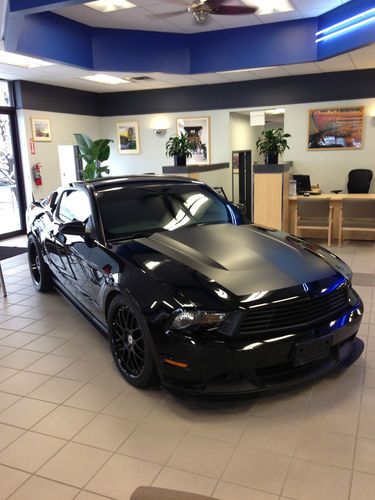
<point>277,111</point>
<point>270,6</point>
<point>110,5</point>
<point>21,61</point>
<point>106,79</point>
<point>241,70</point>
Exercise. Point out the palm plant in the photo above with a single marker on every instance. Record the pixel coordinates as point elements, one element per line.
<point>94,153</point>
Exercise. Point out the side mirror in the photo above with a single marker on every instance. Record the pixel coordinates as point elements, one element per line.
<point>75,228</point>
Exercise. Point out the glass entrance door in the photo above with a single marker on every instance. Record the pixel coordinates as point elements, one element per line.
<point>10,220</point>
<point>11,193</point>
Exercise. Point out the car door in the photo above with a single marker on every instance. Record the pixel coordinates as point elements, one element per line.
<point>104,270</point>
<point>72,252</point>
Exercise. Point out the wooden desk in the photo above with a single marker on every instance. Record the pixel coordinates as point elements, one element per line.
<point>336,202</point>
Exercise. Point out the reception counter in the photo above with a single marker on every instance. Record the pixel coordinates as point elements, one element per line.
<point>215,174</point>
<point>336,203</point>
<point>194,171</point>
<point>270,194</point>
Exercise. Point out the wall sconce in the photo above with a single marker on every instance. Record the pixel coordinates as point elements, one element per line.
<point>160,131</point>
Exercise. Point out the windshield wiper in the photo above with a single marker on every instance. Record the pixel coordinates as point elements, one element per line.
<point>137,234</point>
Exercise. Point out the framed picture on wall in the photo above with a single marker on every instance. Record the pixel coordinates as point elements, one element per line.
<point>198,130</point>
<point>41,130</point>
<point>336,128</point>
<point>128,138</point>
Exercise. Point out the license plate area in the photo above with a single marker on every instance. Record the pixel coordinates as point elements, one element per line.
<point>312,350</point>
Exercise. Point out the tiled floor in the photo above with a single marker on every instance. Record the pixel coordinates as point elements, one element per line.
<point>70,427</point>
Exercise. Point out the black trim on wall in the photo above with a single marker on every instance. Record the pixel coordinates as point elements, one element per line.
<point>268,92</point>
<point>41,97</point>
<point>336,86</point>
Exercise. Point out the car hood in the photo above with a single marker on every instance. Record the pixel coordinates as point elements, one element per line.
<point>242,259</point>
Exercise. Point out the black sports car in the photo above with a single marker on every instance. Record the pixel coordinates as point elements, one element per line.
<point>188,293</point>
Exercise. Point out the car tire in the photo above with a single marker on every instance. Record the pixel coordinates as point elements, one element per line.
<point>39,270</point>
<point>129,339</point>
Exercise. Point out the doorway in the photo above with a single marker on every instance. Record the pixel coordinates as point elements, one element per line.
<point>12,201</point>
<point>245,128</point>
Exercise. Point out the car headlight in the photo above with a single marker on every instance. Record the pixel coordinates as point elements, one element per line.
<point>204,319</point>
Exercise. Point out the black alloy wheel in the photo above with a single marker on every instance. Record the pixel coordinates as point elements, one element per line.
<point>34,264</point>
<point>40,272</point>
<point>130,343</point>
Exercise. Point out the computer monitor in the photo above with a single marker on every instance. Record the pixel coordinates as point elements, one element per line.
<point>303,183</point>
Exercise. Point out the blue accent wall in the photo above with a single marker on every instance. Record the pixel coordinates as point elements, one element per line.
<point>364,35</point>
<point>130,50</point>
<point>32,6</point>
<point>272,44</point>
<point>45,36</point>
<point>34,31</point>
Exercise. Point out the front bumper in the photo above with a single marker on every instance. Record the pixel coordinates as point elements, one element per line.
<point>239,367</point>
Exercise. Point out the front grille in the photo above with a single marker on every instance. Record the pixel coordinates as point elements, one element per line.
<point>296,313</point>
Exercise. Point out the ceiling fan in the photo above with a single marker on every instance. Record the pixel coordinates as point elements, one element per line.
<point>201,9</point>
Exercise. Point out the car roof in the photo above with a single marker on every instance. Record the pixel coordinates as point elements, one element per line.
<point>106,182</point>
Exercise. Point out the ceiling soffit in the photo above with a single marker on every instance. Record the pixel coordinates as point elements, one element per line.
<point>35,31</point>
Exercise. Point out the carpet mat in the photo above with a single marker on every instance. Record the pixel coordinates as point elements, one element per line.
<point>7,252</point>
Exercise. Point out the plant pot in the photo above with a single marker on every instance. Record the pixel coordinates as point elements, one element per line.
<point>180,161</point>
<point>272,159</point>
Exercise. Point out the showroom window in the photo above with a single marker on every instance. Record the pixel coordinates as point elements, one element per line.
<point>5,94</point>
<point>12,199</point>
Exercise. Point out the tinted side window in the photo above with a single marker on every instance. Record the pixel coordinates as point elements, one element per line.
<point>74,205</point>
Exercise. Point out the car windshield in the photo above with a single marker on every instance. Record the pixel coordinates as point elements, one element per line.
<point>142,209</point>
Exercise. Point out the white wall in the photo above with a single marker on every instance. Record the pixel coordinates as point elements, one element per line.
<point>152,156</point>
<point>228,132</point>
<point>240,132</point>
<point>63,126</point>
<point>243,135</point>
<point>328,168</point>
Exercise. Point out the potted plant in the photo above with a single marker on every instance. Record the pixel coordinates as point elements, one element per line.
<point>94,153</point>
<point>179,147</point>
<point>271,144</point>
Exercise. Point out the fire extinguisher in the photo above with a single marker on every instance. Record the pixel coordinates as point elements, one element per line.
<point>37,176</point>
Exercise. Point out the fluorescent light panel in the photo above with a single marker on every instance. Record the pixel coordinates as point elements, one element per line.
<point>241,70</point>
<point>277,111</point>
<point>110,5</point>
<point>270,6</point>
<point>105,79</point>
<point>21,61</point>
<point>347,21</point>
<point>350,24</point>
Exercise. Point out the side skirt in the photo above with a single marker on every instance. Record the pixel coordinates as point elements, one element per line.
<point>102,329</point>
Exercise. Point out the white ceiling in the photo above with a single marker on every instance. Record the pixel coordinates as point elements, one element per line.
<point>68,76</point>
<point>146,16</point>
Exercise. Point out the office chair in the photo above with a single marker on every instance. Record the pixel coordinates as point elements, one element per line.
<point>359,180</point>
